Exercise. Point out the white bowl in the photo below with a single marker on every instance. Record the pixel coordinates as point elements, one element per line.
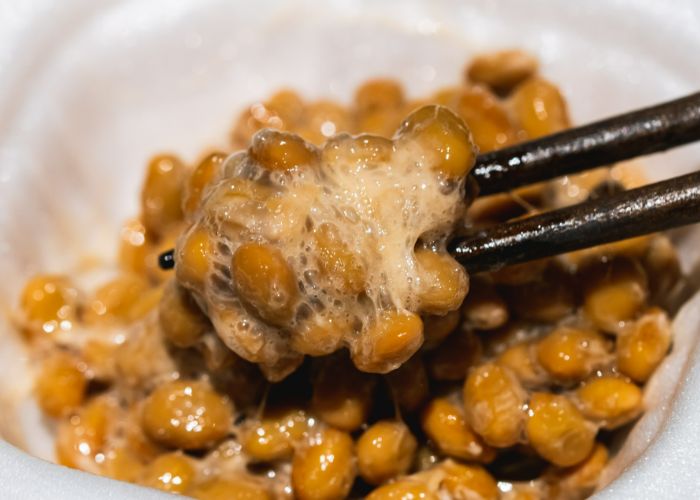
<point>89,90</point>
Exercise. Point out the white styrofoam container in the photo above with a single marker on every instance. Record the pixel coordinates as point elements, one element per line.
<point>89,90</point>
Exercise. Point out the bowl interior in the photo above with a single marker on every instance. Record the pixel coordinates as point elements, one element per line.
<point>93,90</point>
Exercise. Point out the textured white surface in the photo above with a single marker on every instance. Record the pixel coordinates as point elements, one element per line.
<point>88,90</point>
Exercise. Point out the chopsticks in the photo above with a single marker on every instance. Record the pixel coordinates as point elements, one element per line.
<point>652,208</point>
<point>622,137</point>
<point>637,212</point>
<point>648,209</point>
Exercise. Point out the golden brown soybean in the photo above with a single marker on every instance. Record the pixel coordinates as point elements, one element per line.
<point>487,119</point>
<point>61,384</point>
<point>264,280</point>
<point>378,94</point>
<point>443,282</point>
<point>186,414</point>
<point>521,359</point>
<point>133,247</point>
<point>464,482</point>
<point>325,467</point>
<point>643,345</point>
<point>321,334</point>
<point>502,70</point>
<point>288,105</point>
<point>614,292</point>
<point>571,354</point>
<point>80,438</point>
<point>612,401</point>
<point>392,338</point>
<point>382,122</point>
<point>273,437</point>
<point>205,172</point>
<point>148,302</point>
<point>230,489</point>
<point>161,196</point>
<point>342,266</point>
<point>403,489</point>
<point>662,266</point>
<point>118,300</point>
<point>444,138</point>
<point>359,151</point>
<point>180,319</point>
<point>493,402</point>
<point>282,151</point>
<point>557,430</point>
<point>49,303</point>
<point>539,107</point>
<point>171,472</point>
<point>385,450</point>
<point>582,478</point>
<point>444,423</point>
<point>122,464</point>
<point>193,258</point>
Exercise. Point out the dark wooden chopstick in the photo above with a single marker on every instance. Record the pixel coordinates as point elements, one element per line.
<point>645,210</point>
<point>622,137</point>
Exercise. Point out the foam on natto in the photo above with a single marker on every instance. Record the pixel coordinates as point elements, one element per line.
<point>380,209</point>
